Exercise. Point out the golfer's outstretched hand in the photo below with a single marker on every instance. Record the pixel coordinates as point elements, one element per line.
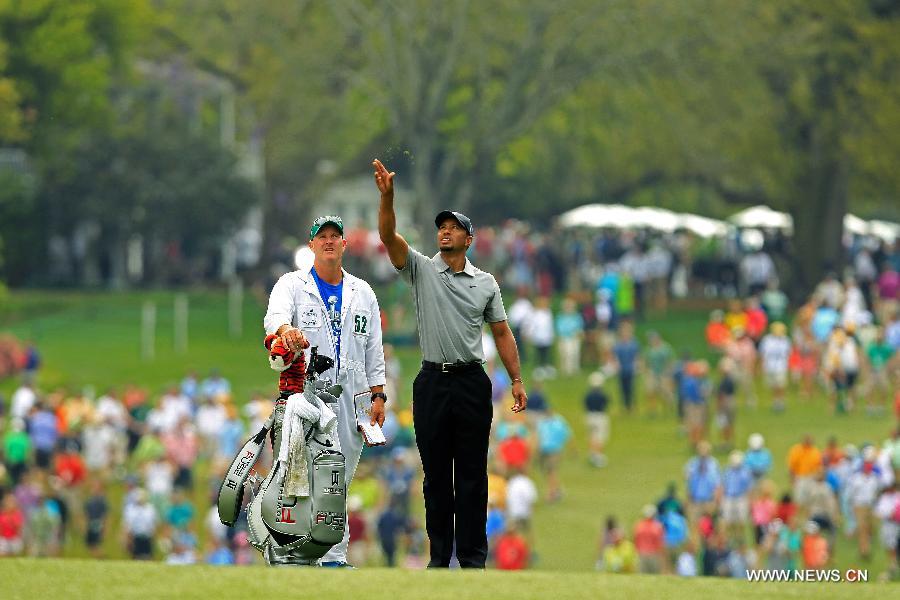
<point>383,179</point>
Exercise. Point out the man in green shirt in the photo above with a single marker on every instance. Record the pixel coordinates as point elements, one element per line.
<point>879,353</point>
<point>16,450</point>
<point>658,360</point>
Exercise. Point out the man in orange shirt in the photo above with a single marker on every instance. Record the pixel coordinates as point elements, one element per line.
<point>804,461</point>
<point>648,540</point>
<point>717,332</point>
<point>814,547</point>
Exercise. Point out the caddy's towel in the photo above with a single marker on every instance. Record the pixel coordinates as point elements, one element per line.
<point>301,410</point>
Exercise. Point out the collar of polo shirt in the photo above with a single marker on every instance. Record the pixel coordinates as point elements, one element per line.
<point>442,266</point>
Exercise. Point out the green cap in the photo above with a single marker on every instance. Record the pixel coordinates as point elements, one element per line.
<point>323,221</point>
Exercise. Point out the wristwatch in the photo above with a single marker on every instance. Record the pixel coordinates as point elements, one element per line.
<point>381,395</point>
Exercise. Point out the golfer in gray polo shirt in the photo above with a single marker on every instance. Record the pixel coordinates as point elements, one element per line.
<point>452,393</point>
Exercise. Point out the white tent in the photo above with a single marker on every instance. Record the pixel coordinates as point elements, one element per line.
<point>702,226</point>
<point>855,225</point>
<point>660,219</point>
<point>600,215</point>
<point>762,217</point>
<point>885,230</point>
<point>618,216</point>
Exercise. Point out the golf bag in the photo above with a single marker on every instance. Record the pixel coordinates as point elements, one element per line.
<point>292,530</point>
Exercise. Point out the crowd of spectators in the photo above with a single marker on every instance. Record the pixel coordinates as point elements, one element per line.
<point>127,470</point>
<point>733,518</point>
<point>143,470</point>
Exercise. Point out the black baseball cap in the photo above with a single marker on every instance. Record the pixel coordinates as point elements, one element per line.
<point>452,214</point>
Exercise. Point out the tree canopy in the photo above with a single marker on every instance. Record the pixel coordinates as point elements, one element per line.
<point>519,107</point>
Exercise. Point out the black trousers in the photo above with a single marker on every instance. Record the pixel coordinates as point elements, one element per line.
<point>452,416</point>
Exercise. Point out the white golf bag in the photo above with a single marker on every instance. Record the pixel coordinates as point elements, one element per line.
<point>288,529</point>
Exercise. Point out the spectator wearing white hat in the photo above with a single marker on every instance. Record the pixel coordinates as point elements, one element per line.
<point>862,492</point>
<point>140,522</point>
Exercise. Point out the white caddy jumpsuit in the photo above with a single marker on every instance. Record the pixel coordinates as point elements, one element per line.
<point>295,299</point>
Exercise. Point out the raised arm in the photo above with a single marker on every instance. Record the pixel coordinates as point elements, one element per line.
<point>396,246</point>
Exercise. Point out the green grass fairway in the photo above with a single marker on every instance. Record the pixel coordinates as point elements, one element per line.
<point>75,579</point>
<point>93,339</point>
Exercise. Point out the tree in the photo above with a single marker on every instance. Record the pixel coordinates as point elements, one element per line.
<point>459,82</point>
<point>58,60</point>
<point>178,194</point>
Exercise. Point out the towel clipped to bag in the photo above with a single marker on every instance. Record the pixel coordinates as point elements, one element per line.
<point>301,410</point>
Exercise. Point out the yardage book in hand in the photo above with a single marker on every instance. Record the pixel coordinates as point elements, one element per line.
<point>372,434</point>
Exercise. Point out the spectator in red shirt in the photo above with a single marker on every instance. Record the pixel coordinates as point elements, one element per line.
<point>512,550</point>
<point>648,540</point>
<point>69,466</point>
<point>358,550</point>
<point>832,454</point>
<point>757,320</point>
<point>786,509</point>
<point>11,522</point>
<point>514,452</point>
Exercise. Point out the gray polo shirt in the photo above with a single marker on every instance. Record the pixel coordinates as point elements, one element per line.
<point>451,307</point>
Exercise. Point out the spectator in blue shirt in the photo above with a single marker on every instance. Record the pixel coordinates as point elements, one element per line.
<point>553,434</point>
<point>736,484</point>
<point>220,555</point>
<point>190,387</point>
<point>824,320</point>
<point>758,458</point>
<point>596,403</point>
<point>675,532</point>
<point>703,482</point>
<point>626,350</point>
<point>537,400</point>
<point>569,335</point>
<point>694,389</point>
<point>215,386</point>
<point>43,428</point>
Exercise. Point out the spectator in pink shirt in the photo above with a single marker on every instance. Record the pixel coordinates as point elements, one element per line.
<point>888,292</point>
<point>762,509</point>
<point>182,448</point>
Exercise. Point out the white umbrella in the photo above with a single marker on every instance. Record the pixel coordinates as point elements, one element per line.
<point>885,230</point>
<point>762,217</point>
<point>660,219</point>
<point>855,225</point>
<point>600,215</point>
<point>702,226</point>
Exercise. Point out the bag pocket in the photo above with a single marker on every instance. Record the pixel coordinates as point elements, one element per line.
<point>329,494</point>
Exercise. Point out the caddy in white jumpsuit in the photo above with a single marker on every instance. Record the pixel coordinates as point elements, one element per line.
<point>295,300</point>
